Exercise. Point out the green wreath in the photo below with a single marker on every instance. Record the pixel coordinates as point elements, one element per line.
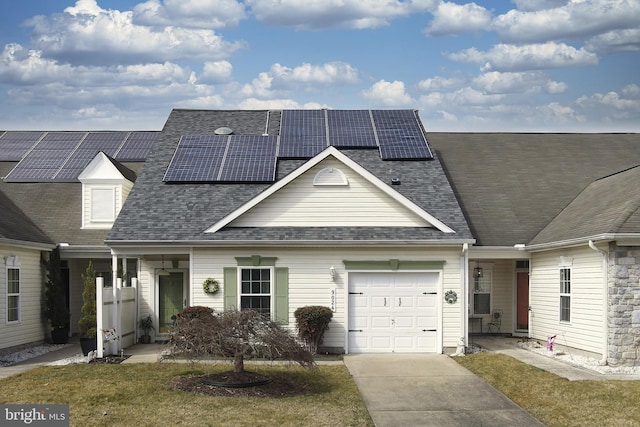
<point>210,286</point>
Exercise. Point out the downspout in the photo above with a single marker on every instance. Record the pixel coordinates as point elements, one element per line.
<point>464,271</point>
<point>605,273</point>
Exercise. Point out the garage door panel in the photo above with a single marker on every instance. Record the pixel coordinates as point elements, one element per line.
<point>398,307</point>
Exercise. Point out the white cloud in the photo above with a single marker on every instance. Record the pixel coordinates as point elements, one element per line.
<point>281,80</point>
<point>533,5</point>
<point>452,18</point>
<point>319,14</point>
<point>21,66</point>
<point>438,83</point>
<point>506,57</point>
<point>615,41</point>
<point>495,82</point>
<point>575,20</point>
<point>278,104</point>
<point>388,94</point>
<point>216,72</point>
<point>88,34</point>
<point>329,73</point>
<point>189,13</point>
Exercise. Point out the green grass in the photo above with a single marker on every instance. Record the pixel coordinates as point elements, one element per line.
<point>554,400</point>
<point>141,395</point>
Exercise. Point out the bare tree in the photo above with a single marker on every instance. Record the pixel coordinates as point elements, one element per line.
<point>235,335</point>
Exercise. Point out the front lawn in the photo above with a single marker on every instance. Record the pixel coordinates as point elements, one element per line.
<point>556,401</point>
<point>141,395</point>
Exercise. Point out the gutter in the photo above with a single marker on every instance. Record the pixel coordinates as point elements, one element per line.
<point>24,244</point>
<point>608,237</point>
<point>290,243</point>
<point>605,273</point>
<point>464,271</point>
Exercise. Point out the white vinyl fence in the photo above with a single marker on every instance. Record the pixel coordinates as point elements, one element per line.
<point>116,316</point>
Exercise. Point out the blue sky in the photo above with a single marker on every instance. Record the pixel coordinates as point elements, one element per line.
<point>520,65</point>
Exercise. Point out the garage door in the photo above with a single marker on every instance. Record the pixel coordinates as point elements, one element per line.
<point>393,312</point>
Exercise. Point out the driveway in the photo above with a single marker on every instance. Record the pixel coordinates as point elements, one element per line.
<point>430,390</point>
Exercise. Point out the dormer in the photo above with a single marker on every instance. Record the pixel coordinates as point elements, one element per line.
<point>105,186</point>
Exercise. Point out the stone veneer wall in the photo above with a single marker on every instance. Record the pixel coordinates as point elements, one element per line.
<point>624,305</point>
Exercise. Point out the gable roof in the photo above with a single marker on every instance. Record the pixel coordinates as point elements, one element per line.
<point>15,226</point>
<point>511,185</point>
<point>608,205</point>
<point>156,211</point>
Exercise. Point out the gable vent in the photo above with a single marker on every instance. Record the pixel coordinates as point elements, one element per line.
<point>330,176</point>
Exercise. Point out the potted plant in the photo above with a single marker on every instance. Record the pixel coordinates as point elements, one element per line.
<point>88,324</point>
<point>55,303</point>
<point>146,324</point>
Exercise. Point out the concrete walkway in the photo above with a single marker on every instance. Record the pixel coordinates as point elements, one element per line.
<point>430,390</point>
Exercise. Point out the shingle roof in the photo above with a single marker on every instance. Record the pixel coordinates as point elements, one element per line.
<point>608,205</point>
<point>157,211</point>
<point>16,226</point>
<point>512,185</point>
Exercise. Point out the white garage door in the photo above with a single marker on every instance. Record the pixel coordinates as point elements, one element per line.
<point>393,312</point>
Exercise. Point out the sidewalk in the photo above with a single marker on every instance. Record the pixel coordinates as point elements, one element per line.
<point>509,346</point>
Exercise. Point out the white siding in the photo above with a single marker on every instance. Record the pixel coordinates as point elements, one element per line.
<point>30,328</point>
<point>585,331</point>
<point>310,284</point>
<point>301,204</point>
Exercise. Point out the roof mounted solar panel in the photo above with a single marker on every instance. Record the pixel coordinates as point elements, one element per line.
<point>95,142</point>
<point>250,159</point>
<point>351,129</point>
<point>45,160</point>
<point>400,135</point>
<point>137,146</point>
<point>14,145</point>
<point>303,133</point>
<point>198,158</point>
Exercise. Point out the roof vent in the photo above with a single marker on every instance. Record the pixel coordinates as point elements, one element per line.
<point>395,181</point>
<point>223,131</point>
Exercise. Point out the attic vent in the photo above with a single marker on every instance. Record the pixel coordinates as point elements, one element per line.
<point>330,176</point>
<point>223,131</point>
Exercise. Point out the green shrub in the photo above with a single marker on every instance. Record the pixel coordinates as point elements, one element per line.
<point>88,323</point>
<point>313,322</point>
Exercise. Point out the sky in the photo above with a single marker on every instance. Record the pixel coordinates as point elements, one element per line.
<point>485,66</point>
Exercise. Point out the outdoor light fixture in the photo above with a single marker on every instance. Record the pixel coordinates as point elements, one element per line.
<point>332,273</point>
<point>477,271</point>
<point>163,272</point>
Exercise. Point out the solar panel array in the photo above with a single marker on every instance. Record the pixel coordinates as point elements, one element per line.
<point>396,133</point>
<point>62,156</point>
<point>217,158</point>
<point>14,145</point>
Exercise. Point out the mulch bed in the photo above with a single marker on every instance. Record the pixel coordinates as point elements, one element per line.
<point>277,384</point>
<point>110,359</point>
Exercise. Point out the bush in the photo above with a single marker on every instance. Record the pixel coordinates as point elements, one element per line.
<point>88,323</point>
<point>313,322</point>
<point>234,335</point>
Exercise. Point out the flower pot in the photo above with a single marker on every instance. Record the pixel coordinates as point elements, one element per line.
<point>60,335</point>
<point>88,345</point>
<point>145,339</point>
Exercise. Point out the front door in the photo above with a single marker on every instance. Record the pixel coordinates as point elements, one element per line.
<point>522,301</point>
<point>170,299</point>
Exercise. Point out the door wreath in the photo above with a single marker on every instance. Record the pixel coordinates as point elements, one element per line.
<point>210,286</point>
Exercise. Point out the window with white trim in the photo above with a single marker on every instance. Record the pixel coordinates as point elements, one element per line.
<point>565,294</point>
<point>13,295</point>
<point>255,289</point>
<point>103,204</point>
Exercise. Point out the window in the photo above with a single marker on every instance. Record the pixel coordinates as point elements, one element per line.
<point>565,294</point>
<point>103,203</point>
<point>482,292</point>
<point>255,290</point>
<point>13,295</point>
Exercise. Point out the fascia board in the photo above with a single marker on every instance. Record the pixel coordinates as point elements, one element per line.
<point>331,151</point>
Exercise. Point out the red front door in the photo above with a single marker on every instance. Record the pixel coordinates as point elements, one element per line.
<point>522,301</point>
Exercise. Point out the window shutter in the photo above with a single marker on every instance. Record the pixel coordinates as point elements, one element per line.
<point>281,305</point>
<point>230,288</point>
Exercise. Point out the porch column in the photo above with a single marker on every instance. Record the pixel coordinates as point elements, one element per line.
<point>115,319</point>
<point>99,315</point>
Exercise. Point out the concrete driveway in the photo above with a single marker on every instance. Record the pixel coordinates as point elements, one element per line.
<point>430,390</point>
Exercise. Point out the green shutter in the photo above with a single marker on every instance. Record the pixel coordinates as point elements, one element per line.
<point>230,288</point>
<point>281,306</point>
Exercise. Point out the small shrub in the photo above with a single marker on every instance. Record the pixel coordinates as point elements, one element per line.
<point>313,322</point>
<point>88,323</point>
